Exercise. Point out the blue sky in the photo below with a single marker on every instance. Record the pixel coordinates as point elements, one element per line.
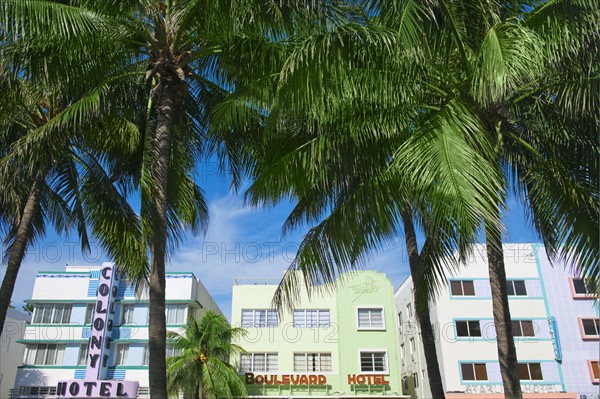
<point>241,242</point>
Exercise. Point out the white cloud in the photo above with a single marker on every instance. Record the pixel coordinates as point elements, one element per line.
<point>241,242</point>
<point>246,243</point>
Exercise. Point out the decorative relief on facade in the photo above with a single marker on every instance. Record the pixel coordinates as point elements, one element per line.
<point>368,287</point>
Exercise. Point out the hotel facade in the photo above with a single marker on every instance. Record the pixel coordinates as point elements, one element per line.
<point>342,343</point>
<point>555,323</point>
<point>89,333</point>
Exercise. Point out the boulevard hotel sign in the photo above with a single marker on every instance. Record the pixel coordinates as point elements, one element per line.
<point>95,384</point>
<point>312,379</point>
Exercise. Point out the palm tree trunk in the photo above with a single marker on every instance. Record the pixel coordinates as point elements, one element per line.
<point>422,312</point>
<point>160,150</point>
<point>17,252</point>
<point>507,353</point>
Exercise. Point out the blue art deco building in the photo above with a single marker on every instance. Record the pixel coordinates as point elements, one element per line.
<point>57,341</point>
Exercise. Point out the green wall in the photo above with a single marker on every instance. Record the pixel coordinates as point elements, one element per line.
<point>342,339</point>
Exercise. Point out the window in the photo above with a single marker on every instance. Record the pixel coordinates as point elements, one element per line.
<point>530,371</point>
<point>254,362</point>
<point>52,314</point>
<point>516,287</point>
<point>45,354</point>
<point>579,286</point>
<point>370,318</point>
<point>127,314</point>
<point>83,354</point>
<point>89,313</point>
<point>580,289</point>
<point>405,383</point>
<point>176,313</point>
<point>468,328</point>
<point>473,371</point>
<point>371,362</point>
<point>172,351</point>
<point>146,357</point>
<point>590,328</point>
<point>522,328</point>
<point>409,310</point>
<point>121,353</point>
<point>260,318</point>
<point>412,346</point>
<point>311,362</point>
<point>311,318</point>
<point>402,351</point>
<point>594,372</point>
<point>400,320</point>
<point>415,380</point>
<point>462,288</point>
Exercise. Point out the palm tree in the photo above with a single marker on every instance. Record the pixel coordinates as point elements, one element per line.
<point>338,153</point>
<point>202,369</point>
<point>484,105</point>
<point>522,76</point>
<point>58,181</point>
<point>179,51</point>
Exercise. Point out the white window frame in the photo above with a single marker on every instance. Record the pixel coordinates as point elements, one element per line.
<point>386,371</point>
<point>468,328</point>
<point>514,288</point>
<point>256,323</point>
<point>319,356</point>
<point>252,366</point>
<point>84,350</point>
<point>127,312</point>
<point>305,312</point>
<point>31,354</point>
<point>529,370</point>
<point>370,327</point>
<point>462,377</point>
<point>412,345</point>
<point>172,351</point>
<point>146,355</point>
<point>521,330</point>
<point>462,288</point>
<point>177,307</point>
<point>409,310</point>
<point>51,309</point>
<point>89,314</point>
<point>121,355</point>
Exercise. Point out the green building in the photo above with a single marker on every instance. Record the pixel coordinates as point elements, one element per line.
<point>342,343</point>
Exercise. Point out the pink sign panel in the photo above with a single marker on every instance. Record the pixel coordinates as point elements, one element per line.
<point>97,389</point>
<point>95,384</point>
<point>99,346</point>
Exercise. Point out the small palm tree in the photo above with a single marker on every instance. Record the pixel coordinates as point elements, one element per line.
<point>202,370</point>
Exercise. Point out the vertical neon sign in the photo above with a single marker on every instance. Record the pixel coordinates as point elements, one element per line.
<point>102,324</point>
<point>95,384</point>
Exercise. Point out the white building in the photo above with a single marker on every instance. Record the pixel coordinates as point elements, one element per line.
<point>11,353</point>
<point>556,327</point>
<point>68,316</point>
